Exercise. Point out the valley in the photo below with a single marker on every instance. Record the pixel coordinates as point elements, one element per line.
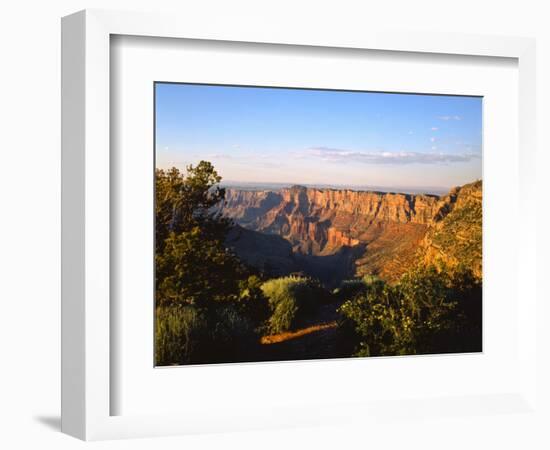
<point>334,235</point>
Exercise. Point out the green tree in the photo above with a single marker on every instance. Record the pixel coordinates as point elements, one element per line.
<point>197,270</point>
<point>185,202</point>
<point>192,264</point>
<point>208,307</point>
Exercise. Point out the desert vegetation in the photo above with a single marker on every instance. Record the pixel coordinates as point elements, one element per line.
<point>426,311</point>
<point>213,306</point>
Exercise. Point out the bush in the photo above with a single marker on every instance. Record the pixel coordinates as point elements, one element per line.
<point>230,326</point>
<point>379,320</point>
<point>349,288</point>
<point>178,333</point>
<point>189,335</point>
<point>233,336</point>
<point>252,301</point>
<point>426,312</point>
<point>290,299</point>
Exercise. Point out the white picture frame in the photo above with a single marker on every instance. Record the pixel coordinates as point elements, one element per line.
<point>86,221</point>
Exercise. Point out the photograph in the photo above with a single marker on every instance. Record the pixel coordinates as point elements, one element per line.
<point>294,223</point>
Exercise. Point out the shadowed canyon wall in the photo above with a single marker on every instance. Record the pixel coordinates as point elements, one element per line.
<point>358,232</point>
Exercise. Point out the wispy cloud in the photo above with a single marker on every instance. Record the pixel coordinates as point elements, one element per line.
<point>250,160</point>
<point>385,157</point>
<point>434,128</point>
<point>446,118</point>
<point>220,156</point>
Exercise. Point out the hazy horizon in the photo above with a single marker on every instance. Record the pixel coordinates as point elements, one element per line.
<point>355,140</point>
<point>267,185</point>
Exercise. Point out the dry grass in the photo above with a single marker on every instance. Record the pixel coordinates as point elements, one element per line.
<point>288,335</point>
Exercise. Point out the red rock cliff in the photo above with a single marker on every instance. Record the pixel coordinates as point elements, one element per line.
<point>394,229</point>
<point>320,221</point>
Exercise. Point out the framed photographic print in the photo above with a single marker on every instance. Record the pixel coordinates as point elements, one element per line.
<point>252,218</point>
<point>275,248</point>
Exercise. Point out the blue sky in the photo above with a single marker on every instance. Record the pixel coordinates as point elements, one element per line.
<point>264,135</point>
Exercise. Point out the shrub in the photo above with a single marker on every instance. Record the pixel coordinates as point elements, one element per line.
<point>233,336</point>
<point>381,324</point>
<point>349,288</point>
<point>252,302</point>
<point>230,325</point>
<point>369,279</point>
<point>178,333</point>
<point>291,299</point>
<point>426,312</point>
<point>189,335</point>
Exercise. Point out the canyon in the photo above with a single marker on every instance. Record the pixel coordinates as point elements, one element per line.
<point>335,234</point>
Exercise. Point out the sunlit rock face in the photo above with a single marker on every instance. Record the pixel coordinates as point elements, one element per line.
<point>391,227</point>
<point>455,234</point>
<point>319,221</point>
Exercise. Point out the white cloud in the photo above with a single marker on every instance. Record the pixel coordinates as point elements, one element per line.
<point>449,118</point>
<point>432,139</point>
<point>434,128</point>
<point>386,157</point>
<point>220,156</point>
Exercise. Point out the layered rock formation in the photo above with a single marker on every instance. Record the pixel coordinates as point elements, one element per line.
<point>388,230</point>
<point>455,235</point>
<point>319,221</point>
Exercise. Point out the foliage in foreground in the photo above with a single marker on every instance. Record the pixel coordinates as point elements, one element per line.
<point>291,300</point>
<point>428,311</point>
<point>191,335</point>
<point>349,288</point>
<point>192,264</point>
<point>178,331</point>
<point>209,307</point>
